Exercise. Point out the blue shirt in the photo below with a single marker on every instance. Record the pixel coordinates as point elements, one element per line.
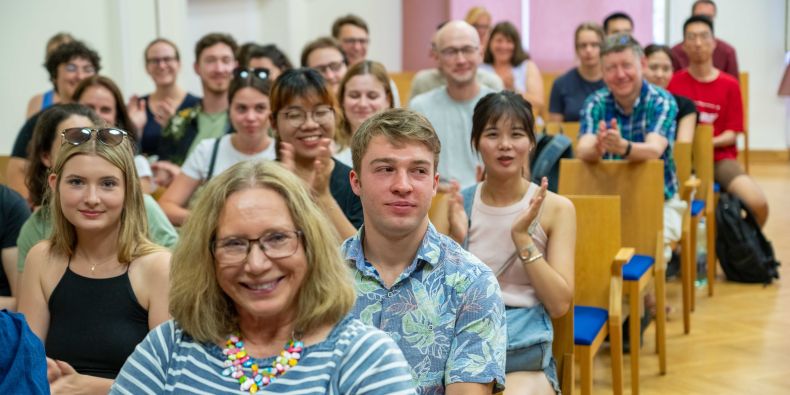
<point>354,358</point>
<point>445,311</point>
<point>655,111</point>
<point>569,92</point>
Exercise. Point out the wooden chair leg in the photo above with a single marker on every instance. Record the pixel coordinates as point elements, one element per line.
<point>616,348</point>
<point>710,233</point>
<point>634,333</point>
<point>692,268</point>
<point>661,321</point>
<point>686,280</point>
<point>567,379</point>
<point>586,362</point>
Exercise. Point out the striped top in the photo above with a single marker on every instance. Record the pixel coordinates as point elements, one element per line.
<point>353,359</point>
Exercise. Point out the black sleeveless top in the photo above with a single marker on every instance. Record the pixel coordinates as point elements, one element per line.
<point>94,324</point>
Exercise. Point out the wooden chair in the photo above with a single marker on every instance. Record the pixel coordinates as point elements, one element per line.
<point>403,83</point>
<point>743,79</point>
<point>548,83</point>
<point>569,129</point>
<point>438,213</point>
<point>599,281</point>
<point>562,349</point>
<point>640,186</point>
<point>704,203</point>
<point>3,164</point>
<point>688,185</point>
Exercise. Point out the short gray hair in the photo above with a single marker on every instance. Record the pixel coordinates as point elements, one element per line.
<point>619,43</point>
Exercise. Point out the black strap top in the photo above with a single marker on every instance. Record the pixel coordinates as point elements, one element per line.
<point>94,324</point>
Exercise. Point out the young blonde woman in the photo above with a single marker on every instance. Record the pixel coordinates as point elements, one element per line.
<point>94,289</point>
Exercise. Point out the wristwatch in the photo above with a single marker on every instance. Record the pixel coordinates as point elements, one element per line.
<point>531,256</point>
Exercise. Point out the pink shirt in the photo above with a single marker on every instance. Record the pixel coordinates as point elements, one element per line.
<point>489,240</point>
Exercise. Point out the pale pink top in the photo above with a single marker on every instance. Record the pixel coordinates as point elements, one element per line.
<point>489,240</point>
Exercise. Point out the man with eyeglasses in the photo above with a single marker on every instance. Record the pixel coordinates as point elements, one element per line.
<point>67,66</point>
<point>631,119</point>
<point>724,56</point>
<point>450,107</point>
<point>325,55</point>
<point>717,96</point>
<point>214,63</point>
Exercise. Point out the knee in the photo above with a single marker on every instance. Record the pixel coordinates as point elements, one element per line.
<point>752,195</point>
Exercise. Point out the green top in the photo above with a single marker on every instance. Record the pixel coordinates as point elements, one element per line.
<point>39,227</point>
<point>209,126</point>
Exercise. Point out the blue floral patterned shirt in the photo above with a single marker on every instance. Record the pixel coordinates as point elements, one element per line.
<point>445,311</point>
<point>655,111</point>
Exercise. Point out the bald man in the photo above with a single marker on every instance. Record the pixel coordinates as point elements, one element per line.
<point>449,108</point>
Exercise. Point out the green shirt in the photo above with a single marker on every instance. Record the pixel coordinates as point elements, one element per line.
<point>39,227</point>
<point>209,126</point>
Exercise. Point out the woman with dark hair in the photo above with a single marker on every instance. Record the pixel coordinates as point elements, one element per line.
<point>249,140</point>
<point>658,72</point>
<point>506,57</point>
<point>44,148</point>
<point>268,57</point>
<point>304,114</point>
<point>572,88</point>
<point>162,63</point>
<point>364,91</point>
<point>525,233</point>
<point>42,101</point>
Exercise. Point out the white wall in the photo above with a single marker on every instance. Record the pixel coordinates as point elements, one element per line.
<point>757,31</point>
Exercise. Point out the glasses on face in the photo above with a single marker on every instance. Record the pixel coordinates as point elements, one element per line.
<point>452,52</point>
<point>106,136</point>
<point>297,117</point>
<point>275,245</point>
<point>352,41</point>
<point>704,36</point>
<point>333,66</point>
<point>73,68</point>
<point>162,60</point>
<point>260,73</point>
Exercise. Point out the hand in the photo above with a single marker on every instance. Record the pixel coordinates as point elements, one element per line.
<point>164,172</point>
<point>286,151</point>
<point>458,221</point>
<point>322,169</point>
<point>67,380</point>
<point>136,108</point>
<point>521,230</point>
<point>163,111</point>
<point>53,371</point>
<point>507,78</point>
<point>611,141</point>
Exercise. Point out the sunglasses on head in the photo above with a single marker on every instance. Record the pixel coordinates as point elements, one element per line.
<point>260,73</point>
<point>106,136</point>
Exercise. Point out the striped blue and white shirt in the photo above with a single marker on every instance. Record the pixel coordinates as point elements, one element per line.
<point>353,359</point>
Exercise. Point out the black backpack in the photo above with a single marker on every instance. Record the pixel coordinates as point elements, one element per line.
<point>744,253</point>
<point>545,159</point>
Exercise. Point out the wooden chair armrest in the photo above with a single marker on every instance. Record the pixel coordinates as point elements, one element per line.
<point>688,188</point>
<point>616,283</point>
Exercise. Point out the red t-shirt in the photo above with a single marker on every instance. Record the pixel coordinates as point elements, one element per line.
<point>718,103</point>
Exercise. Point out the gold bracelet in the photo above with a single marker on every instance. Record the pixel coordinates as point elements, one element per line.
<point>533,259</point>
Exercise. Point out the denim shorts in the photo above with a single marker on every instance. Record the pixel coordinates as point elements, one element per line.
<point>529,337</point>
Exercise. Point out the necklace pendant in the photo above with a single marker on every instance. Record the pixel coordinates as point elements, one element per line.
<point>93,267</point>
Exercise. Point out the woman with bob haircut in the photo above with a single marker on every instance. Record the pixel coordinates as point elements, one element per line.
<point>260,299</point>
<point>249,140</point>
<point>44,148</point>
<point>364,91</point>
<point>94,289</point>
<point>505,56</point>
<point>527,236</point>
<point>304,115</point>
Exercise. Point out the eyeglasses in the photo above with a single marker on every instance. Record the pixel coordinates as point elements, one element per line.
<point>260,73</point>
<point>106,136</point>
<point>704,36</point>
<point>275,245</point>
<point>451,52</point>
<point>162,60</point>
<point>73,68</point>
<point>297,117</point>
<point>334,66</point>
<point>352,41</point>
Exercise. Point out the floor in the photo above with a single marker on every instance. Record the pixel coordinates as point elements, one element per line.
<point>740,338</point>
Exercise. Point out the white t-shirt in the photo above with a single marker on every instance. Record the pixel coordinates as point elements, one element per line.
<point>197,163</point>
<point>142,166</point>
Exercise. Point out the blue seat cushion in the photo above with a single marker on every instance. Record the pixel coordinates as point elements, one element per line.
<point>587,323</point>
<point>716,187</point>
<point>634,269</point>
<point>697,206</point>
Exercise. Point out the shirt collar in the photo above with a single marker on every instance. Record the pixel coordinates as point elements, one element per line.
<point>429,252</point>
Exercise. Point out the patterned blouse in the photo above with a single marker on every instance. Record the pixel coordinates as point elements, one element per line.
<point>445,311</point>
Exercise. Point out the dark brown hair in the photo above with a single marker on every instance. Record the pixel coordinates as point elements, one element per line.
<point>511,33</point>
<point>157,41</point>
<point>494,106</point>
<point>321,42</point>
<point>367,67</point>
<point>349,19</point>
<point>215,38</point>
<point>122,118</point>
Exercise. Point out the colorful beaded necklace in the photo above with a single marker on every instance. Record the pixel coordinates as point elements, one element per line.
<point>237,359</point>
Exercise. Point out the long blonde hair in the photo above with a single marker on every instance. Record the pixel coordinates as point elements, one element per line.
<point>198,303</point>
<point>133,239</point>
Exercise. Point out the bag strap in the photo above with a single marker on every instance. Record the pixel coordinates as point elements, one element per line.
<point>213,159</point>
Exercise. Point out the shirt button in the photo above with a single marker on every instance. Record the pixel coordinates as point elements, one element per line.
<point>389,294</point>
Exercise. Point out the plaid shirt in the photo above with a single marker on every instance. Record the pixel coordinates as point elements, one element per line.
<point>655,110</point>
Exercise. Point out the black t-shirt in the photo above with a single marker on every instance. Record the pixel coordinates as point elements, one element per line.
<point>340,188</point>
<point>24,136</point>
<point>13,214</point>
<point>569,93</point>
<point>685,106</point>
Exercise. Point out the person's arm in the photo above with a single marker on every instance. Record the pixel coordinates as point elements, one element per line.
<point>15,175</point>
<point>553,281</point>
<point>686,127</point>
<point>725,139</point>
<point>653,147</point>
<point>8,256</point>
<point>175,198</point>
<point>469,389</point>
<point>153,281</point>
<point>588,148</point>
<point>534,93</point>
<point>556,117</point>
<point>63,379</point>
<point>31,301</point>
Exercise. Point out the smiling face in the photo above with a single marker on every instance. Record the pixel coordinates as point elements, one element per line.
<point>91,192</point>
<point>70,74</point>
<point>396,183</point>
<point>249,113</point>
<point>100,99</point>
<point>364,96</point>
<point>458,53</point>
<point>260,287</point>
<point>622,73</point>
<point>354,41</point>
<point>659,69</point>
<point>504,147</point>
<point>502,48</point>
<point>303,123</point>
<point>162,64</point>
<point>329,62</point>
<point>215,68</point>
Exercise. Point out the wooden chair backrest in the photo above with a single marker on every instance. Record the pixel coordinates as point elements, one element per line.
<point>403,83</point>
<point>743,80</point>
<point>597,242</point>
<point>548,83</point>
<point>3,164</point>
<point>681,152</point>
<point>570,129</point>
<point>438,212</point>
<point>640,186</point>
<point>702,159</point>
